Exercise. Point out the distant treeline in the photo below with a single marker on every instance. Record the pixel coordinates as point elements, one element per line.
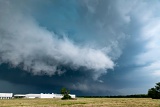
<point>119,96</point>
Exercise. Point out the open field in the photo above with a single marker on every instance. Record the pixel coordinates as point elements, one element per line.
<point>82,102</point>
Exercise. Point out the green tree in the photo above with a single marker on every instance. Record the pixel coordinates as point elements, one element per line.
<point>155,92</point>
<point>65,94</point>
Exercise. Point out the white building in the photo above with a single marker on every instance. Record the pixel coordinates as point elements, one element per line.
<point>6,95</point>
<point>72,95</point>
<point>58,95</point>
<point>41,95</point>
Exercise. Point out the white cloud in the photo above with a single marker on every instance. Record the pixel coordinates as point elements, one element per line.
<point>40,51</point>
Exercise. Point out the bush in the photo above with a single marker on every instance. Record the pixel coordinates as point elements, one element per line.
<point>65,93</point>
<point>66,97</point>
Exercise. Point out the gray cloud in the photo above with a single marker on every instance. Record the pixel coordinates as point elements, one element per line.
<point>75,41</point>
<point>40,51</point>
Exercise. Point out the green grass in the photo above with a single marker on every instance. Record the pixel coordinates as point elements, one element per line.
<point>82,102</point>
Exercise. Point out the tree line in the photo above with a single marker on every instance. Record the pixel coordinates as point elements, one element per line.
<point>119,96</point>
<point>153,93</point>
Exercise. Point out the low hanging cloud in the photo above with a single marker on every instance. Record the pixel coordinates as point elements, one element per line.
<point>26,44</point>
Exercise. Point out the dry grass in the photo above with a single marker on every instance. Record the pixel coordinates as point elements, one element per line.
<point>82,102</point>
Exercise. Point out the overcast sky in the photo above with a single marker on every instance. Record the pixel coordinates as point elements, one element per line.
<point>91,47</point>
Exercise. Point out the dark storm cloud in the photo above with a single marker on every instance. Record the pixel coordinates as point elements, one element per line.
<point>24,82</point>
<point>75,42</point>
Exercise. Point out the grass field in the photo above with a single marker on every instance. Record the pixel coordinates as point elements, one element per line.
<point>82,102</point>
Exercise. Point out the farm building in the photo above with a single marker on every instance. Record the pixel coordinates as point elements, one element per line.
<point>41,95</point>
<point>6,95</point>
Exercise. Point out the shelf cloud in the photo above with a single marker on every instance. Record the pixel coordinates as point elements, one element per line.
<point>80,44</point>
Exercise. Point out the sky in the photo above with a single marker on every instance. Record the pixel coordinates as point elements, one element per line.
<point>91,47</point>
